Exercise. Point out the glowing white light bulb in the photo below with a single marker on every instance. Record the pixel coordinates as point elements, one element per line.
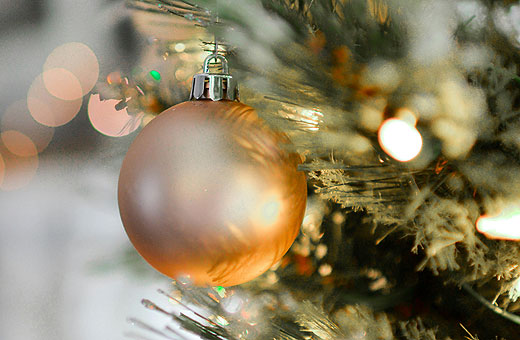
<point>505,225</point>
<point>180,47</point>
<point>400,139</point>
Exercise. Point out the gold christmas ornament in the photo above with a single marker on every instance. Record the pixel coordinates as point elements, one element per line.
<point>208,191</point>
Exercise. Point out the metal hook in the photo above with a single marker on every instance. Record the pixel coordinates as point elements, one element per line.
<point>223,60</point>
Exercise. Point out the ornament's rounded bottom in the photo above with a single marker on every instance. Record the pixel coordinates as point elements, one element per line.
<point>207,191</point>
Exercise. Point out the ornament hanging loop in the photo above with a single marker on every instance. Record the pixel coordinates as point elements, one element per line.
<point>214,86</point>
<point>223,61</point>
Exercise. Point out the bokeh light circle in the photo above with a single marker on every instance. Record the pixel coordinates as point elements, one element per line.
<point>111,122</point>
<point>48,110</point>
<point>79,60</point>
<point>17,117</point>
<point>62,84</point>
<point>114,78</point>
<point>504,225</point>
<point>18,144</point>
<point>400,139</point>
<point>2,170</point>
<point>20,160</point>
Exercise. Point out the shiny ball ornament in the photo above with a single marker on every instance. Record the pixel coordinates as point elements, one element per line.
<point>207,191</point>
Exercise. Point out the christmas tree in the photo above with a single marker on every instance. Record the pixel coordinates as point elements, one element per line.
<point>406,113</point>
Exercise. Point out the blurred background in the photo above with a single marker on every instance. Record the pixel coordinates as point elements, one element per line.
<point>62,243</point>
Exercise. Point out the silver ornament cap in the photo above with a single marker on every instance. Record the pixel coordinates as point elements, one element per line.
<point>214,86</point>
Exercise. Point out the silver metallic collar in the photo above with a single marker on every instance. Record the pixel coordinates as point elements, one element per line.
<point>214,86</point>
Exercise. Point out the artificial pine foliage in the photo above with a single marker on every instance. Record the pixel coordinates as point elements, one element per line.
<point>388,249</point>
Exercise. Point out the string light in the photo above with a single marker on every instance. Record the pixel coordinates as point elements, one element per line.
<point>505,225</point>
<point>400,139</point>
<point>155,75</point>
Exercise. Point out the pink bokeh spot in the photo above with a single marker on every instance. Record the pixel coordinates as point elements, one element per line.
<point>109,121</point>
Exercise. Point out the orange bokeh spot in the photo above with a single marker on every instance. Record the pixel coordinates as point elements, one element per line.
<point>2,170</point>
<point>62,84</point>
<point>18,144</point>
<point>18,170</point>
<point>48,110</point>
<point>114,78</point>
<point>79,60</point>
<point>17,117</point>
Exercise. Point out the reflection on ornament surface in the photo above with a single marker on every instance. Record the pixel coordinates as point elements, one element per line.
<point>207,190</point>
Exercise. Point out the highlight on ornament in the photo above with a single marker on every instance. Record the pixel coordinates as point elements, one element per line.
<point>505,225</point>
<point>400,139</point>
